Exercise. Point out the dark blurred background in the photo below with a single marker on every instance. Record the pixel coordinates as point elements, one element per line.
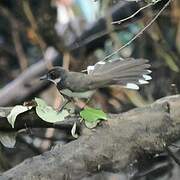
<point>36,35</point>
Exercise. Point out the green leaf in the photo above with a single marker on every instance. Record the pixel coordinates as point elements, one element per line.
<point>8,139</point>
<point>92,116</point>
<point>91,125</point>
<point>18,109</point>
<point>48,114</point>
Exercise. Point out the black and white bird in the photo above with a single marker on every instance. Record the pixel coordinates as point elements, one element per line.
<point>129,73</point>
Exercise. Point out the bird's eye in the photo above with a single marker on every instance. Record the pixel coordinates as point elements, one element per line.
<point>53,75</point>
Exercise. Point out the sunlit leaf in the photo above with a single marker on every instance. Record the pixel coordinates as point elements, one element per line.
<point>8,139</point>
<point>92,116</point>
<point>18,109</point>
<point>48,114</point>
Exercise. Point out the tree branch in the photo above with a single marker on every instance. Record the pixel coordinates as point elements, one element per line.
<point>111,147</point>
<point>26,84</point>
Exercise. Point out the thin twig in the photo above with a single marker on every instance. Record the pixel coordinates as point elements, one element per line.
<point>110,30</point>
<point>23,62</point>
<point>139,33</point>
<point>15,24</point>
<point>131,16</point>
<point>29,14</point>
<point>31,19</point>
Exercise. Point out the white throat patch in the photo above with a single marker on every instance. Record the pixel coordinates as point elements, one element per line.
<point>56,81</point>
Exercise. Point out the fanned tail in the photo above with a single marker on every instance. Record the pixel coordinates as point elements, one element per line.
<point>128,73</point>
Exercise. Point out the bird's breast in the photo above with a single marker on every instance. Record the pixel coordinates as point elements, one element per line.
<point>69,93</point>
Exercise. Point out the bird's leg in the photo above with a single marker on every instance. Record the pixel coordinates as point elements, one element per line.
<point>88,100</point>
<point>64,104</point>
<point>66,101</point>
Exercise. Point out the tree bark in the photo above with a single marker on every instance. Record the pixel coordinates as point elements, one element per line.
<point>112,146</point>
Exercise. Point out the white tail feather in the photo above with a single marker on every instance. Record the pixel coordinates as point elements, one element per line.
<point>147,77</point>
<point>142,81</point>
<point>132,86</point>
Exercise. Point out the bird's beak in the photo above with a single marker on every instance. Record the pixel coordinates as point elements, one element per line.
<point>45,77</point>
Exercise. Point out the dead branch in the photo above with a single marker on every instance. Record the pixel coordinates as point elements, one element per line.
<point>111,147</point>
<point>26,84</point>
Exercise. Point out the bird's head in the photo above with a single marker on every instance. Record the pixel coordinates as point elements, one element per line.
<point>55,75</point>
